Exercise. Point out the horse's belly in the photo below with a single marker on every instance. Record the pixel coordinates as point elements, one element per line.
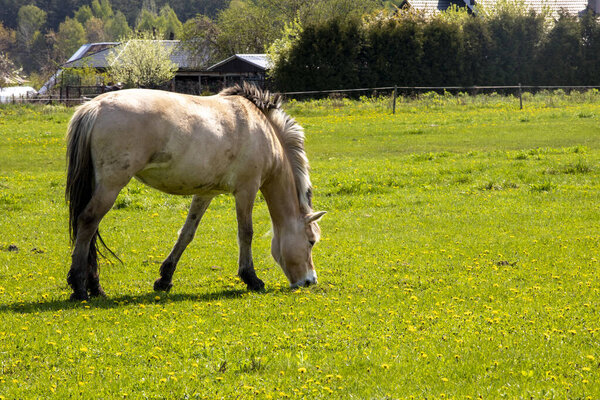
<point>182,184</point>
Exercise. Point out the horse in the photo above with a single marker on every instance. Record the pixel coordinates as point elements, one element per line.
<point>238,141</point>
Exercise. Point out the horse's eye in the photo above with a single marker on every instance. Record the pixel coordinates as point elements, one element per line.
<point>312,242</point>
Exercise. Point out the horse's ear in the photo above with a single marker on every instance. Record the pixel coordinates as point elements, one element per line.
<point>314,217</point>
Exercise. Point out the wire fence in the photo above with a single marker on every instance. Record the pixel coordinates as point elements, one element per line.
<point>415,90</point>
<point>75,95</point>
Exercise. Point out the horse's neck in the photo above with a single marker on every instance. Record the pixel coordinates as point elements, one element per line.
<point>281,198</point>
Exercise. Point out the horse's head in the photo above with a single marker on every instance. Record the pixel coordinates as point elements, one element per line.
<point>292,249</point>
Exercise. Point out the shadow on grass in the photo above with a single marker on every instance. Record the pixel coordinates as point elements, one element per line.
<point>126,300</point>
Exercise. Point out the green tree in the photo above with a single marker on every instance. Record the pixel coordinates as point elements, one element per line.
<point>141,62</point>
<point>199,38</point>
<point>394,50</point>
<point>325,56</point>
<point>69,38</point>
<point>31,19</point>
<point>441,62</point>
<point>83,14</point>
<point>102,9</point>
<point>172,26</point>
<point>559,59</point>
<point>117,27</point>
<point>516,35</point>
<point>246,28</point>
<point>7,38</point>
<point>94,29</point>
<point>590,51</point>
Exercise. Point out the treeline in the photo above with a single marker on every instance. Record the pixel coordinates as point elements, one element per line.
<point>509,45</point>
<point>57,10</point>
<point>38,41</point>
<point>40,35</point>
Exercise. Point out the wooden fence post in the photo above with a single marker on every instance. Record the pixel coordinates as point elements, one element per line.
<point>394,99</point>
<point>520,97</point>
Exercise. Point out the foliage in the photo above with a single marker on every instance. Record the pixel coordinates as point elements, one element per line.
<point>504,46</point>
<point>70,37</point>
<point>459,259</point>
<point>9,73</point>
<point>164,24</point>
<point>199,39</point>
<point>323,56</point>
<point>279,51</point>
<point>141,61</point>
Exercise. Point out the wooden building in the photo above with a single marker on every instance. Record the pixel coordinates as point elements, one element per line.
<point>190,78</point>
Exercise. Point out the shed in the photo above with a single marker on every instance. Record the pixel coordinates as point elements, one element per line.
<point>240,67</point>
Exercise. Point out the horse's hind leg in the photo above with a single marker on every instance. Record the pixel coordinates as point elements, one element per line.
<point>244,202</point>
<point>197,209</point>
<point>87,228</point>
<point>93,282</point>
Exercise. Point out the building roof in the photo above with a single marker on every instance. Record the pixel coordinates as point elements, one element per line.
<point>260,61</point>
<point>573,7</point>
<point>96,55</point>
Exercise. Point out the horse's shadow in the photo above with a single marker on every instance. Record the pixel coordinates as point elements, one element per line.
<point>125,300</point>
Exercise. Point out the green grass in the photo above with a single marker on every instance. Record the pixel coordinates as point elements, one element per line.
<point>459,259</point>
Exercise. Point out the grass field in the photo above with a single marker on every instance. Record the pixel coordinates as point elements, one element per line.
<point>459,259</point>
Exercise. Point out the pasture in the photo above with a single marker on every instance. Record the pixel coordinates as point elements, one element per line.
<point>459,259</point>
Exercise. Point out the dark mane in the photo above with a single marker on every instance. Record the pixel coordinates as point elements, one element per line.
<point>263,99</point>
<point>289,132</point>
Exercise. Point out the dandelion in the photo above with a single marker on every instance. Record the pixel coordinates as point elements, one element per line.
<point>385,366</point>
<point>302,370</point>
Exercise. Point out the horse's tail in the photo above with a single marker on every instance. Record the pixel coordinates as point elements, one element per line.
<point>289,132</point>
<point>81,177</point>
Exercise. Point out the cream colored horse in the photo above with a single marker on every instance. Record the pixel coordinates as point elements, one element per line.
<point>239,141</point>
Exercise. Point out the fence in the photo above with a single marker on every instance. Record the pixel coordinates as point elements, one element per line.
<point>414,90</point>
<point>74,95</point>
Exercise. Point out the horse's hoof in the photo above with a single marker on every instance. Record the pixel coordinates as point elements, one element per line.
<point>252,281</point>
<point>79,296</point>
<point>97,293</point>
<point>160,286</point>
<point>256,285</point>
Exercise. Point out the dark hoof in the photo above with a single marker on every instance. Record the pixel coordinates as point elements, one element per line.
<point>252,281</point>
<point>160,286</point>
<point>79,296</point>
<point>97,292</point>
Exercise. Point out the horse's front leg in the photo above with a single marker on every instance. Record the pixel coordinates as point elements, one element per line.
<point>244,202</point>
<point>197,210</point>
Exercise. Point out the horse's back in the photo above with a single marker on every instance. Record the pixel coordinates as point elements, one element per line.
<point>180,144</point>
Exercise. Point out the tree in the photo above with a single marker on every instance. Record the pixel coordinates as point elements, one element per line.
<point>325,56</point>
<point>102,10</point>
<point>94,29</point>
<point>246,28</point>
<point>7,38</point>
<point>590,37</point>
<point>199,39</point>
<point>172,25</point>
<point>83,14</point>
<point>69,38</point>
<point>30,22</point>
<point>141,61</point>
<point>560,56</point>
<point>9,73</point>
<point>117,27</point>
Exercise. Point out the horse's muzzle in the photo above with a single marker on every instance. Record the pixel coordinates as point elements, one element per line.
<point>310,279</point>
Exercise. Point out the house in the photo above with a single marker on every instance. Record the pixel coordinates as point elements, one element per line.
<point>573,7</point>
<point>190,77</point>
